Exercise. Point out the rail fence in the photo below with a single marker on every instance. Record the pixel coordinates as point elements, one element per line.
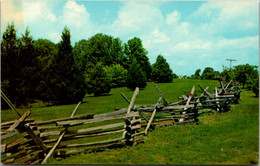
<point>26,141</point>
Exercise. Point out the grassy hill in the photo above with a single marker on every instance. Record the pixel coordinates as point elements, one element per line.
<point>219,139</point>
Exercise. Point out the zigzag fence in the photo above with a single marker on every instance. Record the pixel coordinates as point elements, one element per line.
<point>28,142</point>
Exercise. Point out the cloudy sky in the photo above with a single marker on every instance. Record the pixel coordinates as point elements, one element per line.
<point>189,34</point>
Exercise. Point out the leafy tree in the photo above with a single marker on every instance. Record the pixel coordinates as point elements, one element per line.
<point>80,52</point>
<point>175,75</point>
<point>45,50</point>
<point>227,74</point>
<point>66,82</point>
<point>117,74</point>
<point>208,73</point>
<point>97,79</point>
<point>135,76</point>
<point>161,71</point>
<point>245,72</point>
<point>196,75</point>
<point>134,49</point>
<point>105,49</point>
<point>255,86</point>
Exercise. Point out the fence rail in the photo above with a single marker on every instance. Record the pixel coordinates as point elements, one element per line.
<point>26,141</point>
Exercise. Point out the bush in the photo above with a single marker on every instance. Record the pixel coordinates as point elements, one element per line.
<point>117,75</point>
<point>97,80</point>
<point>135,76</point>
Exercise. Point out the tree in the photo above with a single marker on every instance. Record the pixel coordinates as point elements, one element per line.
<point>245,72</point>
<point>135,76</point>
<point>208,73</point>
<point>255,86</point>
<point>227,74</point>
<point>66,83</point>
<point>105,49</point>
<point>9,68</point>
<point>19,67</point>
<point>134,49</point>
<point>80,52</point>
<point>161,71</point>
<point>117,74</point>
<point>45,50</point>
<point>97,80</point>
<point>197,74</point>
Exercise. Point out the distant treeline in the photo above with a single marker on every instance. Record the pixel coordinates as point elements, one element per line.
<point>61,74</point>
<point>247,75</point>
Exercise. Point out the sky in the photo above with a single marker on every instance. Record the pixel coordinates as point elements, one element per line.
<point>190,35</point>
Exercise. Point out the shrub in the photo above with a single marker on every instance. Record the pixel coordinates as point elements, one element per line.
<point>117,75</point>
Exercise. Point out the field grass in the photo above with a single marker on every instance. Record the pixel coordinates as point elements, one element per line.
<point>219,139</point>
<point>108,103</point>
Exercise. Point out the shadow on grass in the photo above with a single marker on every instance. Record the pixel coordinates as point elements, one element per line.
<point>100,95</point>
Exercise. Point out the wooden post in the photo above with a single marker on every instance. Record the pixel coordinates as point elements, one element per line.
<point>161,94</point>
<point>9,103</point>
<point>132,100</point>
<point>19,121</point>
<point>125,98</point>
<point>36,139</point>
<point>191,93</point>
<point>60,138</point>
<point>150,121</point>
<point>74,111</point>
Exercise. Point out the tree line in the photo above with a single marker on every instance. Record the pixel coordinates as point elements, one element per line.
<point>247,75</point>
<point>62,74</point>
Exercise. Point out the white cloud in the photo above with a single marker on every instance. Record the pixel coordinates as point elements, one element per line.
<point>227,17</point>
<point>206,38</point>
<point>74,15</point>
<point>173,18</point>
<point>38,10</point>
<point>136,17</point>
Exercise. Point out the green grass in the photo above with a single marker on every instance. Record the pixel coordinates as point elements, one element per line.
<point>102,104</point>
<point>227,138</point>
<point>220,139</point>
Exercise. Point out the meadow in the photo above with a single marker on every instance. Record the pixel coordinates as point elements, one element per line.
<point>219,139</point>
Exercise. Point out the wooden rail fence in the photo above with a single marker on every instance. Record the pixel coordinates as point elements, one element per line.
<point>26,141</point>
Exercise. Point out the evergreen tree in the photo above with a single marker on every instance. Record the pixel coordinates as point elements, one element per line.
<point>19,67</point>
<point>66,81</point>
<point>97,79</point>
<point>9,67</point>
<point>161,71</point>
<point>134,50</point>
<point>135,76</point>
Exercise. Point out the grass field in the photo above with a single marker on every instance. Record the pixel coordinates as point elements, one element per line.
<point>219,139</point>
<point>102,104</point>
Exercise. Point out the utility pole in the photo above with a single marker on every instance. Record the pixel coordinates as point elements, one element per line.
<point>231,62</point>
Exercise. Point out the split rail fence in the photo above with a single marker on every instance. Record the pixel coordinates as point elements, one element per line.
<point>26,141</point>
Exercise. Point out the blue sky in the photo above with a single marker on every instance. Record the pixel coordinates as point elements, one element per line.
<point>189,34</point>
